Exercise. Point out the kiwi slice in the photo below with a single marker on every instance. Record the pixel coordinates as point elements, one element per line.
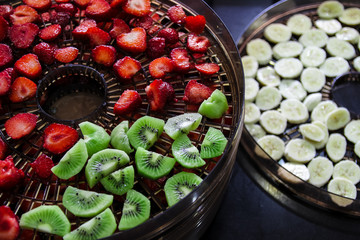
<point>185,153</point>
<point>46,218</point>
<point>84,203</point>
<point>152,165</point>
<point>215,106</point>
<point>103,225</point>
<point>120,181</point>
<point>180,185</point>
<point>72,162</point>
<point>119,139</point>
<point>136,210</point>
<point>214,143</point>
<point>182,124</point>
<point>96,138</point>
<point>103,163</point>
<point>145,132</point>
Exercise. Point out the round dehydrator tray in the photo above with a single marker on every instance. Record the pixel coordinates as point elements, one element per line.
<point>188,218</point>
<point>291,191</point>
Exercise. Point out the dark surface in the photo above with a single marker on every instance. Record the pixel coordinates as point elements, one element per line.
<point>247,212</point>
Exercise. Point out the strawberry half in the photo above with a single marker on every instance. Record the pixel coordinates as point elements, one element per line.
<point>62,18</point>
<point>98,36</point>
<point>119,27</point>
<point>29,66</point>
<point>50,33</point>
<point>22,89</point>
<point>22,36</point>
<point>45,52</point>
<point>171,35</point>
<point>9,225</point>
<point>5,83</point>
<point>42,166</point>
<point>128,102</point>
<point>137,8</point>
<point>104,54</point>
<point>98,10</point>
<point>66,54</point>
<point>207,68</point>
<point>20,125</point>
<point>126,67</point>
<point>134,41</point>
<point>159,93</point>
<point>176,14</point>
<point>4,26</point>
<point>195,24</point>
<point>197,43</point>
<point>24,14</point>
<point>196,93</point>
<point>181,60</point>
<point>82,3</point>
<point>6,55</point>
<point>67,8</point>
<point>10,176</point>
<point>40,5</point>
<point>160,66</point>
<point>6,11</point>
<point>80,32</point>
<point>155,47</point>
<point>58,138</point>
<point>3,149</point>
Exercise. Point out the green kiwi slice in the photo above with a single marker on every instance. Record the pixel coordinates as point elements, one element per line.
<point>215,106</point>
<point>185,153</point>
<point>103,225</point>
<point>180,185</point>
<point>84,203</point>
<point>145,132</point>
<point>119,139</point>
<point>120,181</point>
<point>136,210</point>
<point>103,163</point>
<point>152,165</point>
<point>72,162</point>
<point>46,218</point>
<point>214,143</point>
<point>95,136</point>
<point>182,124</point>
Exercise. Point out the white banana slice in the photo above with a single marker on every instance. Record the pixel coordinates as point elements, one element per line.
<point>336,147</point>
<point>314,37</point>
<point>321,144</point>
<point>299,23</point>
<point>287,49</point>
<point>252,113</point>
<point>251,89</point>
<point>272,145</point>
<point>357,149</point>
<point>330,26</point>
<point>330,9</point>
<point>356,64</point>
<point>260,49</point>
<point>312,100</point>
<point>334,66</point>
<point>312,56</point>
<point>292,89</point>
<point>350,16</point>
<point>312,79</point>
<point>321,170</point>
<point>288,67</point>
<point>294,111</point>
<point>277,32</point>
<point>352,131</point>
<point>347,169</point>
<point>268,77</point>
<point>320,112</point>
<point>342,187</point>
<point>298,169</point>
<point>348,34</point>
<point>337,118</point>
<point>255,130</point>
<point>268,98</point>
<point>340,48</point>
<point>250,66</point>
<point>273,122</point>
<point>299,150</point>
<point>312,132</point>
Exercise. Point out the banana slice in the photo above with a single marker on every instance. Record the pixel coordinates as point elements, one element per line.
<point>342,187</point>
<point>330,27</point>
<point>336,147</point>
<point>356,63</point>
<point>298,169</point>
<point>334,66</point>
<point>273,122</point>
<point>312,79</point>
<point>314,37</point>
<point>348,34</point>
<point>337,118</point>
<point>251,89</point>
<point>357,149</point>
<point>268,98</point>
<point>288,67</point>
<point>299,23</point>
<point>294,111</point>
<point>277,32</point>
<point>312,100</point>
<point>292,89</point>
<point>299,150</point>
<point>330,9</point>
<point>260,49</point>
<point>312,56</point>
<point>268,77</point>
<point>250,66</point>
<point>312,132</point>
<point>255,130</point>
<point>352,131</point>
<point>340,48</point>
<point>322,110</point>
<point>347,169</point>
<point>252,113</point>
<point>350,16</point>
<point>287,49</point>
<point>321,170</point>
<point>272,145</point>
<point>321,144</point>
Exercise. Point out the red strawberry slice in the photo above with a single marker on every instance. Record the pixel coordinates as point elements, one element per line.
<point>10,176</point>
<point>6,56</point>
<point>58,138</point>
<point>82,3</point>
<point>24,14</point>
<point>128,102</point>
<point>176,14</point>
<point>4,26</point>
<point>134,41</point>
<point>98,36</point>
<point>80,32</point>
<point>117,3</point>
<point>45,52</point>
<point>207,68</point>
<point>29,66</point>
<point>119,27</point>
<point>160,66</point>
<point>137,8</point>
<point>126,67</point>
<point>104,54</point>
<point>5,83</point>
<point>42,166</point>
<point>40,5</point>
<point>196,93</point>
<point>50,33</point>
<point>6,11</point>
<point>66,54</point>
<point>146,22</point>
<point>20,125</point>
<point>22,36</point>
<point>159,93</point>
<point>9,225</point>
<point>22,89</point>
<point>156,47</point>
<point>62,18</point>
<point>181,60</point>
<point>171,35</point>
<point>3,149</point>
<point>197,43</point>
<point>98,10</point>
<point>195,24</point>
<point>67,8</point>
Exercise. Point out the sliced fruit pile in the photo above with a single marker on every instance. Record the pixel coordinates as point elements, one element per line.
<point>286,70</point>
